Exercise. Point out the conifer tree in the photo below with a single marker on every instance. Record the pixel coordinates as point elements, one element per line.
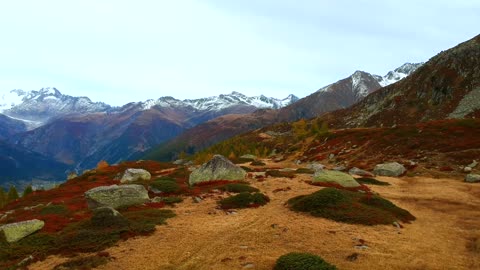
<point>3,197</point>
<point>27,190</point>
<point>12,194</point>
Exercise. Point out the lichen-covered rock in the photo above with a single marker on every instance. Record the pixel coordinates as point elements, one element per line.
<point>16,231</point>
<point>248,156</point>
<point>389,169</point>
<point>472,178</point>
<point>218,168</point>
<point>316,166</point>
<point>116,196</point>
<point>360,172</point>
<point>131,175</point>
<point>336,177</point>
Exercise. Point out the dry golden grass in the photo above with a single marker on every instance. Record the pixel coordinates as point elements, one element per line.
<point>444,236</point>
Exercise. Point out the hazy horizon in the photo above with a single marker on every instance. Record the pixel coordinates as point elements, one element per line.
<point>122,51</point>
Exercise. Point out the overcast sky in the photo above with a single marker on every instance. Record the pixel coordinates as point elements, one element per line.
<point>118,51</point>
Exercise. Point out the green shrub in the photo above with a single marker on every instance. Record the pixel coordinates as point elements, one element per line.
<point>144,221</point>
<point>84,263</point>
<point>247,169</point>
<point>238,188</point>
<point>305,171</point>
<point>57,209</point>
<point>104,218</point>
<point>257,163</point>
<point>302,261</point>
<point>244,200</point>
<point>172,200</point>
<point>371,181</point>
<point>277,173</point>
<point>166,178</point>
<point>166,186</point>
<point>349,207</point>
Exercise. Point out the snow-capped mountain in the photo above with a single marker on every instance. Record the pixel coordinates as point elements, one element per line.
<point>397,74</point>
<point>38,107</point>
<point>224,101</point>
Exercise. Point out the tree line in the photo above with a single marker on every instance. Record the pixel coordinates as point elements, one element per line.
<point>12,194</point>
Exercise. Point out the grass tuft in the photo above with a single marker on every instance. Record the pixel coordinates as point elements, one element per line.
<point>302,261</point>
<point>238,188</point>
<point>244,200</point>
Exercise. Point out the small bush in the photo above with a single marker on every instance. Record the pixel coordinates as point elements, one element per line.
<point>302,261</point>
<point>350,207</point>
<point>172,200</point>
<point>238,188</point>
<point>371,181</point>
<point>84,263</point>
<point>54,209</point>
<point>166,178</point>
<point>257,163</point>
<point>144,221</point>
<point>244,200</point>
<point>166,186</point>
<point>305,171</point>
<point>277,173</point>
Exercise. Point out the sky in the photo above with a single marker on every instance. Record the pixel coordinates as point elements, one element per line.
<point>119,51</point>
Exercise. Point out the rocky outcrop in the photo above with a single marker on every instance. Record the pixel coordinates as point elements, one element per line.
<point>336,177</point>
<point>16,231</point>
<point>472,178</point>
<point>393,169</point>
<point>218,168</point>
<point>116,196</point>
<point>131,175</point>
<point>360,172</point>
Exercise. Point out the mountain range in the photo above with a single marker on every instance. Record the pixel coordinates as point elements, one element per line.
<point>79,133</point>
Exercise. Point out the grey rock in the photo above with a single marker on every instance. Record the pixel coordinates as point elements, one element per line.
<point>218,168</point>
<point>343,179</point>
<point>472,178</point>
<point>16,231</point>
<point>360,172</point>
<point>131,175</point>
<point>179,162</point>
<point>331,156</point>
<point>473,164</point>
<point>467,169</point>
<point>197,199</point>
<point>116,196</point>
<point>316,166</point>
<point>340,168</point>
<point>394,169</point>
<point>248,156</point>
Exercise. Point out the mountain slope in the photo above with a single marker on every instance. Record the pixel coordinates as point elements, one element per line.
<point>10,127</point>
<point>341,94</point>
<point>19,164</point>
<point>447,86</point>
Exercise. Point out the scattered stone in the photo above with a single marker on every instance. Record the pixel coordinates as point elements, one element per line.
<point>248,156</point>
<point>472,178</point>
<point>394,169</point>
<point>316,166</point>
<point>361,247</point>
<point>72,175</point>
<point>156,200</point>
<point>353,257</point>
<point>473,164</point>
<point>218,168</point>
<point>132,175</point>
<point>331,156</point>
<point>243,247</point>
<point>179,162</point>
<point>274,226</point>
<point>116,196</point>
<point>280,158</point>
<point>249,266</point>
<point>340,168</point>
<point>467,169</point>
<point>360,172</point>
<point>25,261</point>
<point>16,231</point>
<point>297,162</point>
<point>197,199</point>
<point>343,179</point>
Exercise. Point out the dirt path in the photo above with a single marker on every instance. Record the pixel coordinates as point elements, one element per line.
<point>201,237</point>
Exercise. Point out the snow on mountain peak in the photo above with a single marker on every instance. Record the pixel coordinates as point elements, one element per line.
<point>398,73</point>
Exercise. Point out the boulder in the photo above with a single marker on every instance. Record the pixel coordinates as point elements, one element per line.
<point>248,156</point>
<point>131,175</point>
<point>389,169</point>
<point>116,196</point>
<point>472,178</point>
<point>343,179</point>
<point>467,169</point>
<point>218,168</point>
<point>316,166</point>
<point>360,172</point>
<point>473,164</point>
<point>16,231</point>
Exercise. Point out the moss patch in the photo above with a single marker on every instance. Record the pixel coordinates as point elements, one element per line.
<point>350,207</point>
<point>244,200</point>
<point>371,181</point>
<point>166,186</point>
<point>238,188</point>
<point>302,261</point>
